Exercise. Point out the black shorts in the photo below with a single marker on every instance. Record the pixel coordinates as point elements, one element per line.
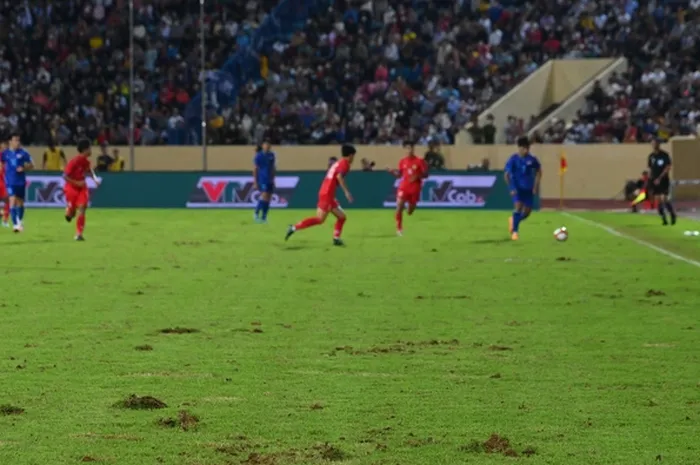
<point>662,188</point>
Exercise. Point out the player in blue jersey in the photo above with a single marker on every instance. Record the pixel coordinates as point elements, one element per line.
<point>523,173</point>
<point>17,162</point>
<point>264,168</point>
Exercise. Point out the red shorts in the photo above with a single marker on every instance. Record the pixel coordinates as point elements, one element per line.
<point>327,203</point>
<point>76,197</point>
<point>410,196</point>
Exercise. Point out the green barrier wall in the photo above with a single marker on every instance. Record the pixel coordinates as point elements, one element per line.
<point>449,190</point>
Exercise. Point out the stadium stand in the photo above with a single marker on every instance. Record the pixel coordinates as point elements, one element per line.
<point>322,71</point>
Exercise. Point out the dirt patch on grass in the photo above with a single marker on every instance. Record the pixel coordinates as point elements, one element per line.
<point>496,444</point>
<point>499,348</point>
<point>405,347</point>
<point>87,458</point>
<point>316,406</point>
<point>7,409</point>
<point>320,452</point>
<point>185,421</point>
<point>144,348</point>
<point>134,402</point>
<point>654,293</point>
<point>442,297</point>
<point>179,330</point>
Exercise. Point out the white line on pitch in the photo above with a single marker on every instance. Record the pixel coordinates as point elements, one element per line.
<point>646,244</point>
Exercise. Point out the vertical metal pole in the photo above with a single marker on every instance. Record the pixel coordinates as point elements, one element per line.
<point>203,88</point>
<point>132,154</point>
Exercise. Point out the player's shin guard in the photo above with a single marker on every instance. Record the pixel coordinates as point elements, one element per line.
<point>307,223</point>
<point>80,224</point>
<point>399,221</point>
<point>338,230</point>
<point>516,220</point>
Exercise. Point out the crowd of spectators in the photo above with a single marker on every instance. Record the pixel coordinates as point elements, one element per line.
<point>368,71</point>
<point>657,96</point>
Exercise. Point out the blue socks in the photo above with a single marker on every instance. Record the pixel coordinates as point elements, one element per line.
<point>524,216</point>
<point>262,207</point>
<point>14,214</point>
<point>516,220</point>
<point>258,208</point>
<point>20,213</point>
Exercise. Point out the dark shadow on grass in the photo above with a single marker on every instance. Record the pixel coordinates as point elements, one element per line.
<point>31,242</point>
<point>501,240</point>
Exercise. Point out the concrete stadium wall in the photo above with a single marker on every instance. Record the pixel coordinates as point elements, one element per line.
<point>553,82</point>
<point>595,171</point>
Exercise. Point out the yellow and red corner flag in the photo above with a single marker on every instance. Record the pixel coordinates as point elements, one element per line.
<point>563,165</point>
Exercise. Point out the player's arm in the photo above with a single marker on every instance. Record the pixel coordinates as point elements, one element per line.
<point>667,168</point>
<point>256,162</point>
<point>395,173</point>
<point>343,185</point>
<point>73,182</point>
<point>29,163</point>
<point>273,171</point>
<point>509,177</point>
<point>94,176</point>
<point>538,178</point>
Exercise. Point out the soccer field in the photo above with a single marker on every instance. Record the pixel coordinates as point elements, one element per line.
<point>449,345</point>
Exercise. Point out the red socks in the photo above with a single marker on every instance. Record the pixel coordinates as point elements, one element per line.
<point>6,211</point>
<point>80,225</point>
<point>399,221</point>
<point>307,223</point>
<point>338,228</point>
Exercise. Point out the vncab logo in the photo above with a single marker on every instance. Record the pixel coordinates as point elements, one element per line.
<point>238,192</point>
<point>444,191</point>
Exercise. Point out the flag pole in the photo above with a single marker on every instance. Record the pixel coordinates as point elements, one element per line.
<point>561,190</point>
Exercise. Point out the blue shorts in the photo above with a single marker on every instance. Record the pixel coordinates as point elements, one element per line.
<point>17,191</point>
<point>266,187</point>
<point>524,196</point>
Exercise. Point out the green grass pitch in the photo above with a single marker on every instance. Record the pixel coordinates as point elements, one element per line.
<point>450,345</point>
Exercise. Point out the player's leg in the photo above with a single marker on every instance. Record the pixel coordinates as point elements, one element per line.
<point>81,207</point>
<point>322,210</point>
<point>5,210</point>
<point>70,197</point>
<point>339,223</point>
<point>517,215</point>
<point>398,216</point>
<point>665,191</point>
<point>14,210</point>
<point>19,195</point>
<point>265,199</point>
<point>661,205</point>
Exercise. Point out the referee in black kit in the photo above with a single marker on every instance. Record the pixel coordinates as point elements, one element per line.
<point>659,164</point>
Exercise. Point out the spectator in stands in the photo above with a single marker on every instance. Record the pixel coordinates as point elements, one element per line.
<point>367,165</point>
<point>489,131</point>
<point>104,161</point>
<point>363,72</point>
<point>54,158</point>
<point>117,164</point>
<point>433,157</point>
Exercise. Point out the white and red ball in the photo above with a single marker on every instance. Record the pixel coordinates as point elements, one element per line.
<point>561,234</point>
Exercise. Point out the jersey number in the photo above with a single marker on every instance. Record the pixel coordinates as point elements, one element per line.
<point>333,170</point>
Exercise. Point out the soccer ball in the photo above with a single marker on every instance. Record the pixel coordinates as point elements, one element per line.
<point>561,234</point>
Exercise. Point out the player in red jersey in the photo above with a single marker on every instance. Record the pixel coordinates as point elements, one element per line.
<point>76,189</point>
<point>4,198</point>
<point>412,170</point>
<point>327,203</point>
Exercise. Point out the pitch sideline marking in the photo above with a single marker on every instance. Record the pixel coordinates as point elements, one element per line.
<point>646,244</point>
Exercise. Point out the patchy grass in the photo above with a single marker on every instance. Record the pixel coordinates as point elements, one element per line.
<point>411,350</point>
